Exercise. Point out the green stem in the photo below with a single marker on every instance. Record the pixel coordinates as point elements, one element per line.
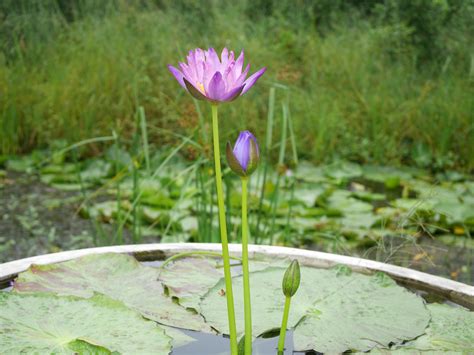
<point>284,323</point>
<point>245,267</point>
<point>224,240</point>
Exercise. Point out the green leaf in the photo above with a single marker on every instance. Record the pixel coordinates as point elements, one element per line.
<point>450,329</point>
<point>189,278</point>
<point>341,200</point>
<point>43,323</point>
<point>84,348</point>
<point>97,170</point>
<point>369,196</point>
<point>342,170</point>
<point>333,311</point>
<point>118,276</point>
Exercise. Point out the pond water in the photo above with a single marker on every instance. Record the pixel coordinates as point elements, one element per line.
<point>213,344</point>
<point>265,344</point>
<point>219,345</point>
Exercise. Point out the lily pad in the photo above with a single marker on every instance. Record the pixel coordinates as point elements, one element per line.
<point>189,278</point>
<point>331,312</point>
<point>342,200</point>
<point>118,276</point>
<point>342,170</point>
<point>451,329</point>
<point>44,323</point>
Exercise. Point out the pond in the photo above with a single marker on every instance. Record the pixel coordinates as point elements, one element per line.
<point>335,309</point>
<point>403,216</point>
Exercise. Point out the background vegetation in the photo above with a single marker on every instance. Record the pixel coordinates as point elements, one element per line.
<point>373,81</point>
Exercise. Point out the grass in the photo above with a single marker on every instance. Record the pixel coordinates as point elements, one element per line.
<point>92,81</point>
<point>356,89</point>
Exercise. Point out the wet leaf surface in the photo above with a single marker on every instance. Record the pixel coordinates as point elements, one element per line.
<point>332,311</point>
<point>451,329</point>
<point>118,276</point>
<point>43,323</point>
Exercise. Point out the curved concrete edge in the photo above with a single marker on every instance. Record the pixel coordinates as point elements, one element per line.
<point>455,291</point>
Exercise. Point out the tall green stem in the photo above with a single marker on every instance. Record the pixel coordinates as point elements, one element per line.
<point>223,227</point>
<point>284,323</point>
<point>245,267</point>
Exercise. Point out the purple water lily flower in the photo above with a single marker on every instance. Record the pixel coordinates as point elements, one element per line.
<point>207,77</point>
<point>243,159</point>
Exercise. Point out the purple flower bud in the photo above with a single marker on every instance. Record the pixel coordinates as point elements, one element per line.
<point>208,77</point>
<point>243,159</point>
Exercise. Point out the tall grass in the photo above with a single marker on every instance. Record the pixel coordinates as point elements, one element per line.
<point>358,88</point>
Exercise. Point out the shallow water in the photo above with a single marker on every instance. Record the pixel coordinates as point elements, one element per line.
<point>266,344</point>
<point>219,345</point>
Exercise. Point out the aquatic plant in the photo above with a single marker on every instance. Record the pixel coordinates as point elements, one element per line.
<point>243,160</point>
<point>290,284</point>
<point>206,77</point>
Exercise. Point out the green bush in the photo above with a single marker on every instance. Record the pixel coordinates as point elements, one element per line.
<point>371,81</point>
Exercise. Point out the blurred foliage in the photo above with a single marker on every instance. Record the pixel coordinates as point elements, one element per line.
<point>370,81</point>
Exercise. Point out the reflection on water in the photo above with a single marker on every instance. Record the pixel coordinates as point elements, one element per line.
<point>219,345</point>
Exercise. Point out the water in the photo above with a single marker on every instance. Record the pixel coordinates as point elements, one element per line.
<point>219,345</point>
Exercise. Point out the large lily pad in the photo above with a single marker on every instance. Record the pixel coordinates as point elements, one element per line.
<point>190,278</point>
<point>451,329</point>
<point>333,311</point>
<point>366,313</point>
<point>47,324</point>
<point>118,276</point>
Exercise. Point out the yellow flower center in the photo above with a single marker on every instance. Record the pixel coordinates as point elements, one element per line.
<point>201,87</point>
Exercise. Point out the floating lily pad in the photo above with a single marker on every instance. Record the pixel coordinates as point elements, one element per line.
<point>342,201</point>
<point>412,204</point>
<point>342,170</point>
<point>451,329</point>
<point>118,276</point>
<point>97,170</point>
<point>359,220</point>
<point>332,311</point>
<point>189,278</point>
<point>369,196</point>
<point>366,313</point>
<point>40,323</point>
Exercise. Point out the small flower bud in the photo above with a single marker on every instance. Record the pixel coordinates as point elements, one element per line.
<point>243,159</point>
<point>291,280</point>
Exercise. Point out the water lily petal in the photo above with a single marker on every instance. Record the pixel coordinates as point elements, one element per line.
<point>239,64</point>
<point>242,149</point>
<point>213,59</point>
<point>216,87</point>
<point>224,58</point>
<point>233,94</point>
<point>194,91</point>
<point>178,75</point>
<point>234,164</point>
<point>253,79</point>
<point>240,80</point>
